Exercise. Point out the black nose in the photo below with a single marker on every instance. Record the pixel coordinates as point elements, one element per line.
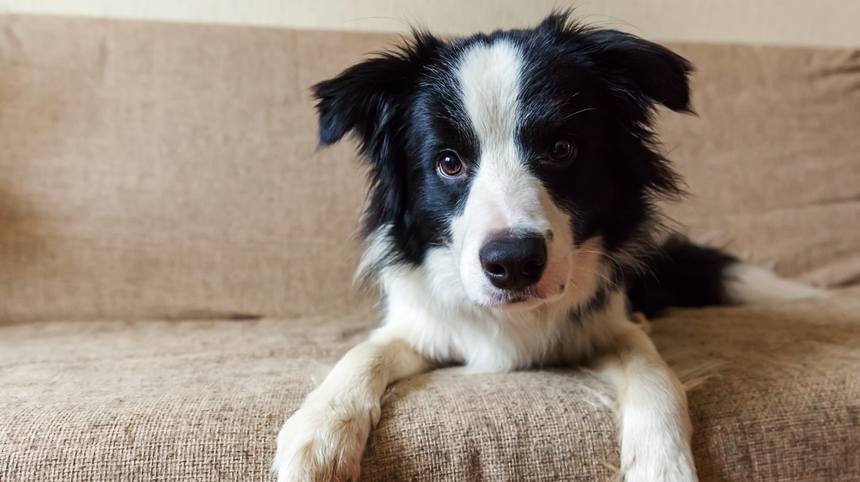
<point>514,262</point>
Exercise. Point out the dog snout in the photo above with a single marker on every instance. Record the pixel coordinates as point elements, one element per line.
<point>514,262</point>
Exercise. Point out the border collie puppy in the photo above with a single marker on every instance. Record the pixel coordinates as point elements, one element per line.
<point>511,222</point>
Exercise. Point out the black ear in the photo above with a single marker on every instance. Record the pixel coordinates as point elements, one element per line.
<point>365,96</point>
<point>643,68</point>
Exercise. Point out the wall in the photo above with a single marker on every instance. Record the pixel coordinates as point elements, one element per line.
<point>781,22</point>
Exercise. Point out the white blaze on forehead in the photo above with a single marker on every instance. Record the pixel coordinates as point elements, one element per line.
<point>503,191</point>
<point>489,78</point>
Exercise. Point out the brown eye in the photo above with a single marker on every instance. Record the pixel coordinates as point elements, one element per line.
<point>449,164</point>
<point>562,150</point>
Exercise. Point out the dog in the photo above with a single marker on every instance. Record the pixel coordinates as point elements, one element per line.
<point>512,221</point>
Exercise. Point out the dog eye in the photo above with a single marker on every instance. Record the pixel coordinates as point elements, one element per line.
<point>449,164</point>
<point>562,150</point>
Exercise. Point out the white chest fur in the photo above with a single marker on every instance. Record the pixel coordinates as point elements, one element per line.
<point>490,340</point>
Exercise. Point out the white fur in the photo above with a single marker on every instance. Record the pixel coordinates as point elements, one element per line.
<point>427,308</point>
<point>745,283</point>
<point>503,195</point>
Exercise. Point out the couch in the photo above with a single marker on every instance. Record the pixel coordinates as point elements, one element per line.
<point>176,260</point>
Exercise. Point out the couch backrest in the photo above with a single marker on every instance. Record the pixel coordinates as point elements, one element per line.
<point>773,159</point>
<point>152,170</point>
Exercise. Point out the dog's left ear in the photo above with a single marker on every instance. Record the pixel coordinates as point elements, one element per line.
<point>642,69</point>
<point>637,69</point>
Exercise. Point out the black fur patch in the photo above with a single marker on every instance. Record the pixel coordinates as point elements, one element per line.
<point>680,274</point>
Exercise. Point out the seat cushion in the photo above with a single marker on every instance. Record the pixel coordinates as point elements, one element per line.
<point>776,397</point>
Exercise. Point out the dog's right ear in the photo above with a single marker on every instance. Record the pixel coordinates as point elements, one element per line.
<point>365,97</point>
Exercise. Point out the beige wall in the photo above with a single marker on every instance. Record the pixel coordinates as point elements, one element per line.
<point>791,22</point>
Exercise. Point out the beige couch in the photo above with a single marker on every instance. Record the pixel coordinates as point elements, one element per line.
<point>176,261</point>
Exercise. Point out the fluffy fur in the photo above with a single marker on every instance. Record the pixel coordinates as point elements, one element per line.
<point>539,141</point>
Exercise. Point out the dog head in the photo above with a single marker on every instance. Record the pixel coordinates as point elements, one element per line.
<point>497,161</point>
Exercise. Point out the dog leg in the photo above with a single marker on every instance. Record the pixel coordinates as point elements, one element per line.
<point>654,421</point>
<point>323,441</point>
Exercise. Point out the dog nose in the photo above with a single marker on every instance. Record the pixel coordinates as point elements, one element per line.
<point>514,262</point>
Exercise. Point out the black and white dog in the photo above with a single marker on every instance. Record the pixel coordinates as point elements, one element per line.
<point>511,222</point>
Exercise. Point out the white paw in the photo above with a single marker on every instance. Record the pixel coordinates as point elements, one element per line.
<point>665,467</point>
<point>323,441</point>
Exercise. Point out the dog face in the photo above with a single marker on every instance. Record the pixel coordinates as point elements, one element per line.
<point>498,160</point>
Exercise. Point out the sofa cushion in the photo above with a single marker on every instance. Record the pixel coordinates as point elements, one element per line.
<point>204,400</point>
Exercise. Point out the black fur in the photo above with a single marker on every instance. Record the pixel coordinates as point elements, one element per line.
<point>680,274</point>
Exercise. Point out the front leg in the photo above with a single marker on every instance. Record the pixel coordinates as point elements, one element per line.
<point>654,420</point>
<point>323,441</point>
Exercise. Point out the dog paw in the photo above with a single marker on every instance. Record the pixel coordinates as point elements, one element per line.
<point>323,443</point>
<point>667,468</point>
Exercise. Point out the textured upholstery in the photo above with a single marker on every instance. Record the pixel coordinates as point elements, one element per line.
<point>203,400</point>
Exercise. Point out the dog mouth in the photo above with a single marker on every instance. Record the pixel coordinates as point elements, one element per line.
<point>523,299</point>
<point>515,297</point>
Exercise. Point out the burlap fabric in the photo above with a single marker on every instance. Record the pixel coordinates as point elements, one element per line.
<point>203,401</point>
<point>166,175</point>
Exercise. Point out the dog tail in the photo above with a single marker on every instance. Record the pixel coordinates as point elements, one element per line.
<point>688,275</point>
